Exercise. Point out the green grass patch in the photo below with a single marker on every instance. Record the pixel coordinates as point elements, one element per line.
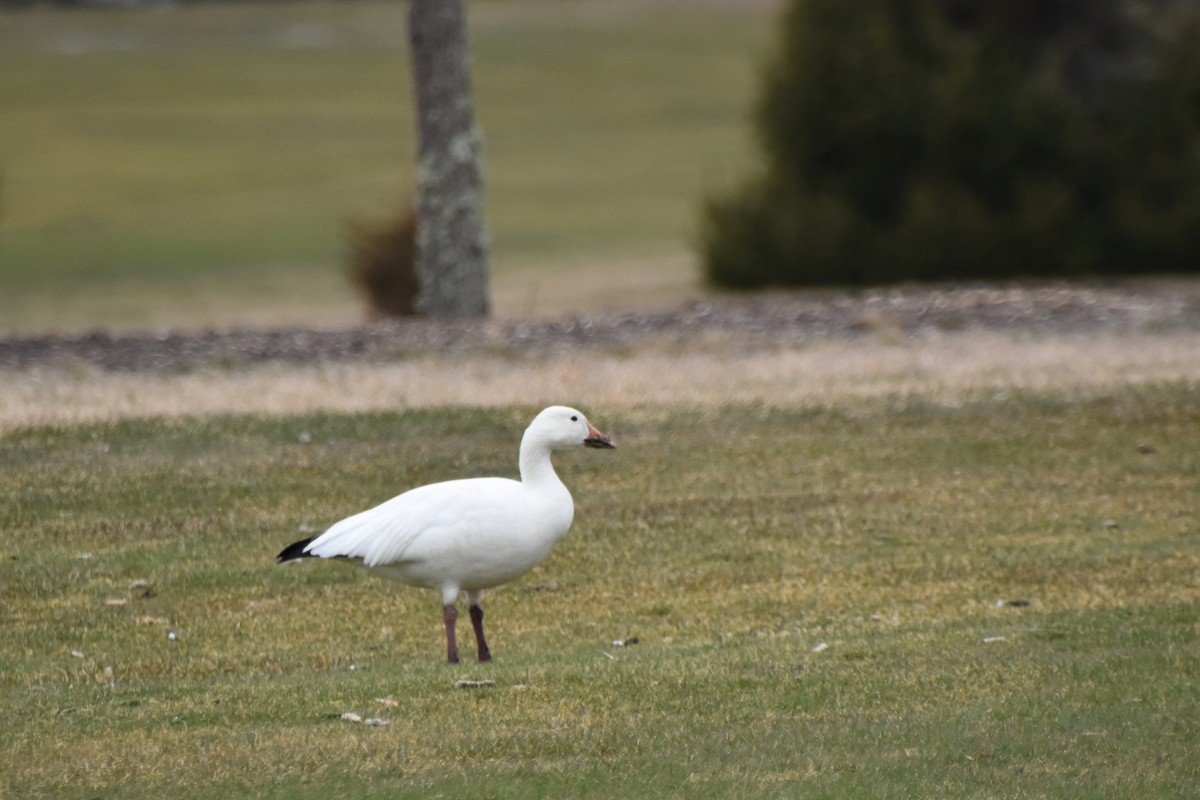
<point>814,593</point>
<point>146,153</point>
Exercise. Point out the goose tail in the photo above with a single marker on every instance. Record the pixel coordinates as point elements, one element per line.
<point>295,550</point>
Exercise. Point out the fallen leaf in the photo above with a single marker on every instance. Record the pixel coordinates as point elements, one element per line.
<point>141,588</point>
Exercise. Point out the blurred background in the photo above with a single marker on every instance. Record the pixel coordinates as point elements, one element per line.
<point>192,165</point>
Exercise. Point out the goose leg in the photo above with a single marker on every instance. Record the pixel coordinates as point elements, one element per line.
<point>477,623</point>
<point>449,617</point>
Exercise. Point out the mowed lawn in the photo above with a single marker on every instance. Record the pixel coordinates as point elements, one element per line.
<point>200,165</point>
<point>996,599</point>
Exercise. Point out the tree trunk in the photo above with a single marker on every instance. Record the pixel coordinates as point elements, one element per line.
<point>451,239</point>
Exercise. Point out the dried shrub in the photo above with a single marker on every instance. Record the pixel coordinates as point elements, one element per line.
<point>382,263</point>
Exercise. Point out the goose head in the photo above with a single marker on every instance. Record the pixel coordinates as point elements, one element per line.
<point>560,427</point>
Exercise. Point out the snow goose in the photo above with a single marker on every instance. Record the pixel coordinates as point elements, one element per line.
<point>466,535</point>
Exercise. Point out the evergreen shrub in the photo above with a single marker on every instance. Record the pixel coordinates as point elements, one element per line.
<point>936,140</point>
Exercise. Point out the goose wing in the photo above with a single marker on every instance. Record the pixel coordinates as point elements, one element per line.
<point>446,513</point>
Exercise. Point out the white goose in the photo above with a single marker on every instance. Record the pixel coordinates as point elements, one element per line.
<point>466,535</point>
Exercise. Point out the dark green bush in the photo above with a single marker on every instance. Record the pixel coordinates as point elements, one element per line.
<point>963,139</point>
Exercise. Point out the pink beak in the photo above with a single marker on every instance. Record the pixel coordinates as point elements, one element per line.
<point>597,439</point>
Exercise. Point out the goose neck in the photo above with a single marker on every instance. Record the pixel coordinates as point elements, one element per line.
<point>535,463</point>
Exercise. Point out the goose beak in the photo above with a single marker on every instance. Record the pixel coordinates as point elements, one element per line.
<point>597,439</point>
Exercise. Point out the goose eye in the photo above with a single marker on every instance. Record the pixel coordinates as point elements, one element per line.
<point>574,418</point>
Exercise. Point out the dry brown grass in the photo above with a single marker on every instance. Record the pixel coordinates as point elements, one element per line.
<point>711,372</point>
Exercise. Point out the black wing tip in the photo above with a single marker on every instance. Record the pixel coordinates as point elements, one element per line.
<point>295,550</point>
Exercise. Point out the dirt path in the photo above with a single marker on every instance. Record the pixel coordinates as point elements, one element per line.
<point>788,349</point>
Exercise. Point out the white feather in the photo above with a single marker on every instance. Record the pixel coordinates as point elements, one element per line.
<point>472,534</point>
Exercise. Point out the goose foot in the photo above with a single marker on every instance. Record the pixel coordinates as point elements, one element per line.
<point>449,617</point>
<point>485,654</point>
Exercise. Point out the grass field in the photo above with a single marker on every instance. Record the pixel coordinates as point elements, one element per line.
<point>191,166</point>
<point>822,598</point>
<point>956,565</point>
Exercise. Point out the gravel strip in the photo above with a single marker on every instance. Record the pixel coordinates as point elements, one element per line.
<point>780,318</point>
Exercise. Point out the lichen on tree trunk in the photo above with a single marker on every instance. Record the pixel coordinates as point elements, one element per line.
<point>451,237</point>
